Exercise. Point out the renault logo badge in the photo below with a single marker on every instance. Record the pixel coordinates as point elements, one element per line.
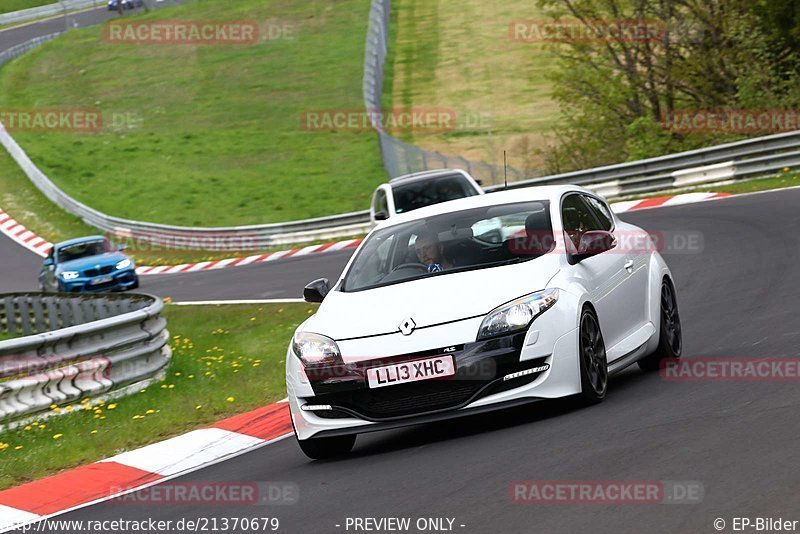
<point>407,326</point>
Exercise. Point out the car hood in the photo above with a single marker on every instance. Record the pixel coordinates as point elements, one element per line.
<point>89,262</point>
<point>429,301</point>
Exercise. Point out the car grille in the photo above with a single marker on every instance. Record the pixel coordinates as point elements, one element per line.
<point>97,272</point>
<point>421,397</point>
<point>408,399</point>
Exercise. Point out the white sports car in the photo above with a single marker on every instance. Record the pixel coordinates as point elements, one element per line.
<point>474,305</point>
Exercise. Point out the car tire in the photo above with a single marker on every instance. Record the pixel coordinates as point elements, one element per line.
<point>324,448</point>
<point>670,338</point>
<point>592,356</point>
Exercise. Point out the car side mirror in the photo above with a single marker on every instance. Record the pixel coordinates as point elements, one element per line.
<point>316,290</point>
<point>381,215</point>
<point>592,243</point>
<point>48,262</point>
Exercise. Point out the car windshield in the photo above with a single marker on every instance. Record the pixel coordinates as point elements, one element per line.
<point>463,240</point>
<point>83,250</point>
<point>421,193</point>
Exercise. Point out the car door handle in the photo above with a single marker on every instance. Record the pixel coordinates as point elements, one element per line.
<point>629,266</point>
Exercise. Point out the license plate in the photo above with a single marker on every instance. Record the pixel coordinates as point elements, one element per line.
<point>401,373</point>
<point>103,280</point>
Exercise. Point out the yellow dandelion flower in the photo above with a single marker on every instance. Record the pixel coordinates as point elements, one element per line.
<point>198,406</point>
<point>57,436</point>
<point>27,427</point>
<point>112,406</point>
<point>231,399</point>
<point>93,432</point>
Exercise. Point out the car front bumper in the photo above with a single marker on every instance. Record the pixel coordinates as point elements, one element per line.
<point>490,374</point>
<point>119,281</point>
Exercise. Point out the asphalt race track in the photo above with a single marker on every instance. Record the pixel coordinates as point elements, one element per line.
<point>20,34</point>
<point>738,297</point>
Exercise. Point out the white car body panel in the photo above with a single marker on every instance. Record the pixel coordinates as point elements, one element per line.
<point>448,310</point>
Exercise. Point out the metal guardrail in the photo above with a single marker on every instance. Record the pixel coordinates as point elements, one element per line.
<point>400,157</point>
<point>76,346</point>
<point>16,51</point>
<point>635,176</point>
<point>54,9</point>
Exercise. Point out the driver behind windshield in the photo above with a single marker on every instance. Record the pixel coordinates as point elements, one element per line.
<point>430,252</point>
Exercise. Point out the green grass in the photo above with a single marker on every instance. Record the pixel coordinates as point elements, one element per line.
<point>227,360</point>
<point>5,335</point>
<point>23,201</point>
<point>458,55</point>
<point>216,136</point>
<point>17,5</point>
<point>786,179</point>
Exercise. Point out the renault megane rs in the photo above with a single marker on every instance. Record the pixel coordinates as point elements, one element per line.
<point>474,305</point>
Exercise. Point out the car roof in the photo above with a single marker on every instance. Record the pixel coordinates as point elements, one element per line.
<point>551,193</point>
<point>424,175</point>
<point>79,240</point>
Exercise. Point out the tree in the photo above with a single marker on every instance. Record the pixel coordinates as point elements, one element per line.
<point>708,54</point>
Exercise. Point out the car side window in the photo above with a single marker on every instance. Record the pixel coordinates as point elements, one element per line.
<point>578,218</point>
<point>380,202</point>
<point>601,212</point>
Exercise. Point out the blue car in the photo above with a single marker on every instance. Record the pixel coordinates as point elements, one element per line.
<point>87,264</point>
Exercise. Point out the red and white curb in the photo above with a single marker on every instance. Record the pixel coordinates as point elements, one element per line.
<point>40,246</point>
<point>238,262</point>
<point>23,236</point>
<point>659,202</point>
<point>140,468</point>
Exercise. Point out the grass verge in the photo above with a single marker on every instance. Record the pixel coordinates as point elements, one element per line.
<point>227,360</point>
<point>29,207</point>
<point>207,135</point>
<point>18,5</point>
<point>459,56</point>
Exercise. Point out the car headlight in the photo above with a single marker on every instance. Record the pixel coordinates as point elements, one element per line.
<point>70,275</point>
<point>315,349</point>
<point>517,314</point>
<point>124,264</point>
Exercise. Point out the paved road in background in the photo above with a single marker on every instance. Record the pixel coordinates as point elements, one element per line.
<point>19,34</point>
<point>739,298</point>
